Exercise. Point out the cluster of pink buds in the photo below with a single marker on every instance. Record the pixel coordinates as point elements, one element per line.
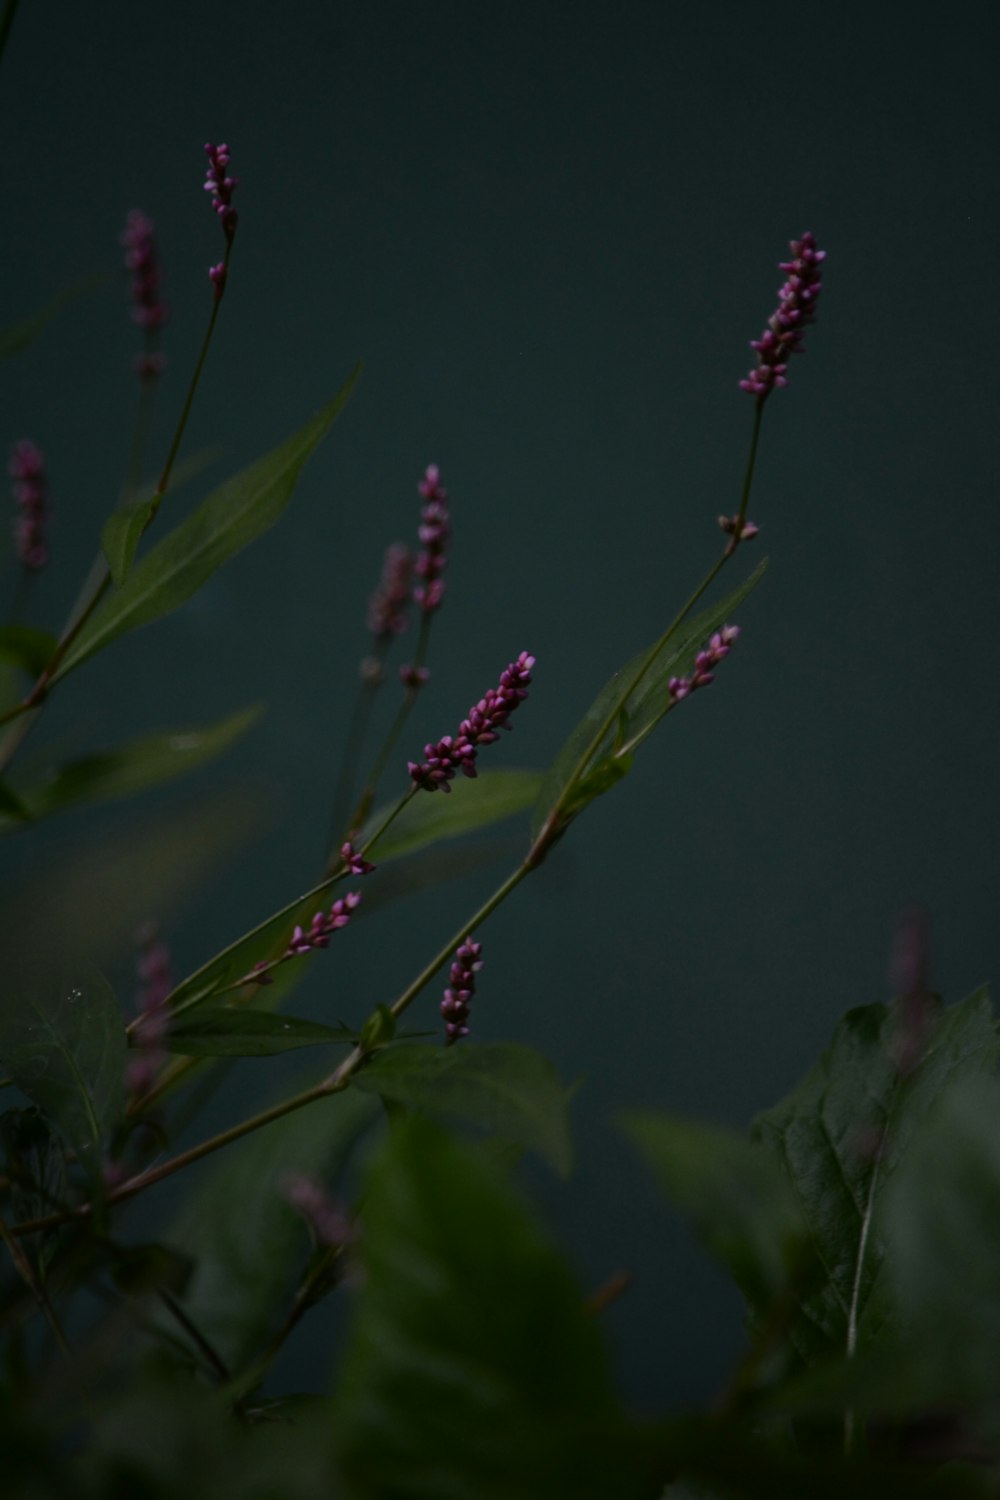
<point>717,650</point>
<point>786,327</point>
<point>149,310</point>
<point>387,605</point>
<point>434,533</point>
<point>748,530</point>
<point>30,490</point>
<point>458,752</point>
<point>221,186</point>
<point>353,862</point>
<point>305,939</point>
<point>461,988</point>
<point>153,971</point>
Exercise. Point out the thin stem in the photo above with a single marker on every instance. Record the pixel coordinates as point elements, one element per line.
<point>194,1333</point>
<point>741,516</point>
<point>360,715</point>
<point>6,22</point>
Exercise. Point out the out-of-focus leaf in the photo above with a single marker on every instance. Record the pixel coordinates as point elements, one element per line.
<point>132,768</point>
<point>738,1199</point>
<point>17,337</point>
<point>34,1164</point>
<point>241,1232</point>
<point>635,699</point>
<point>841,1135</point>
<point>474,1371</point>
<point>120,537</point>
<point>12,810</point>
<point>227,1032</point>
<point>473,803</point>
<point>236,513</point>
<point>505,1088</point>
<point>64,1046</point>
<point>26,647</point>
<point>941,1227</point>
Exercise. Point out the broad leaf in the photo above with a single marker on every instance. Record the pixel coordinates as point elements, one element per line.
<point>120,537</point>
<point>243,1235</point>
<point>64,1047</point>
<point>233,516</point>
<point>17,337</point>
<point>840,1136</point>
<point>132,768</point>
<point>738,1199</point>
<point>474,803</point>
<point>12,808</point>
<point>26,647</point>
<point>227,1032</point>
<point>633,702</point>
<point>505,1088</point>
<point>941,1226</point>
<point>474,1371</point>
<point>34,1164</point>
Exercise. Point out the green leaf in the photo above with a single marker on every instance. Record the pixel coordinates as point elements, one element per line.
<point>65,1048</point>
<point>246,1242</point>
<point>505,1088</point>
<point>132,768</point>
<point>227,1032</point>
<point>941,1227</point>
<point>233,516</point>
<point>841,1135</point>
<point>120,536</point>
<point>473,803</point>
<point>473,1371</point>
<point>738,1199</point>
<point>34,1165</point>
<point>12,808</point>
<point>635,699</point>
<point>26,647</point>
<point>19,336</point>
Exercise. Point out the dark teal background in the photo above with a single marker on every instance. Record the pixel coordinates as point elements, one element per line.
<point>549,232</point>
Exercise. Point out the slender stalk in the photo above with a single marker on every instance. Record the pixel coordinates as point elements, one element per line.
<point>6,22</point>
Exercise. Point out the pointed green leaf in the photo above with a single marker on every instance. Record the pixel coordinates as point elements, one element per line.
<point>473,803</point>
<point>26,647</point>
<point>243,1235</point>
<point>19,336</point>
<point>738,1199</point>
<point>634,701</point>
<point>65,1048</point>
<point>502,1087</point>
<point>120,537</point>
<point>840,1136</point>
<point>474,1370</point>
<point>132,768</point>
<point>222,1031</point>
<point>232,517</point>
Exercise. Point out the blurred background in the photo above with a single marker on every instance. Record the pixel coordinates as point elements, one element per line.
<point>549,232</point>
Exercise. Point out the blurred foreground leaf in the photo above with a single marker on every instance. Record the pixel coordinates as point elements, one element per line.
<point>738,1199</point>
<point>236,513</point>
<point>17,337</point>
<point>64,1046</point>
<point>505,1088</point>
<point>132,768</point>
<point>26,647</point>
<point>473,1371</point>
<point>241,1232</point>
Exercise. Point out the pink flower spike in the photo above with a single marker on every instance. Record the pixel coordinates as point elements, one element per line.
<point>434,533</point>
<point>31,496</point>
<point>786,327</point>
<point>717,650</point>
<point>749,529</point>
<point>221,186</point>
<point>461,988</point>
<point>149,310</point>
<point>458,753</point>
